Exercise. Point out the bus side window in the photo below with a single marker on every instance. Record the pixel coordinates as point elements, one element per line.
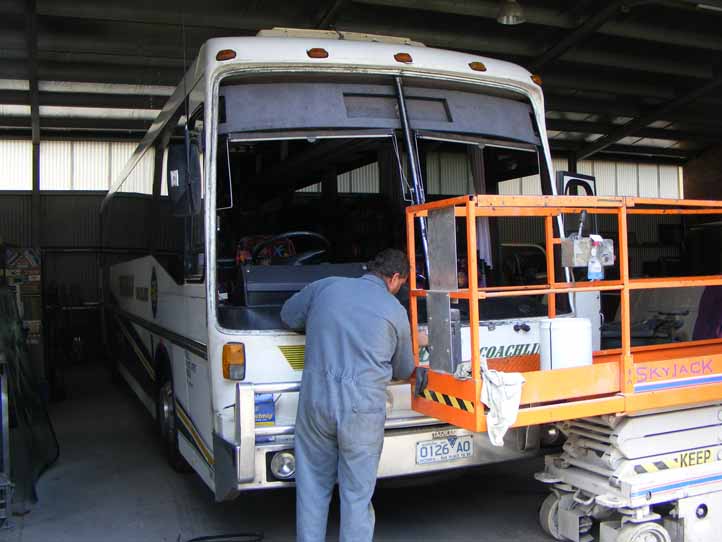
<point>194,262</point>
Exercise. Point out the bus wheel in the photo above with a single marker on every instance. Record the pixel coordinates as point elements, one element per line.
<point>167,426</point>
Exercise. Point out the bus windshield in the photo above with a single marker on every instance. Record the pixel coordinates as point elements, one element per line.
<point>315,186</point>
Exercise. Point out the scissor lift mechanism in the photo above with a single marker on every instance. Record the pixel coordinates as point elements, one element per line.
<point>643,424</point>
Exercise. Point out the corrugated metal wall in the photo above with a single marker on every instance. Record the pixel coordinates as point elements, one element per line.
<point>70,234</point>
<point>73,277</point>
<point>71,219</point>
<point>448,173</point>
<point>364,180</point>
<point>632,179</point>
<point>56,165</point>
<point>70,237</point>
<point>94,165</point>
<point>17,167</point>
<point>529,186</point>
<point>613,179</point>
<point>15,219</point>
<point>72,165</point>
<point>91,165</point>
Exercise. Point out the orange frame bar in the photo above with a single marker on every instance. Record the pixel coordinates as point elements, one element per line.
<point>619,381</point>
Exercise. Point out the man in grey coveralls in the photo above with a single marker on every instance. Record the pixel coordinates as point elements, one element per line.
<point>357,339</point>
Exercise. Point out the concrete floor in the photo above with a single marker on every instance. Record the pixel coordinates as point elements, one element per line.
<point>112,484</point>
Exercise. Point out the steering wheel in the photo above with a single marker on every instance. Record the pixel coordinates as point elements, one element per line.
<point>298,259</point>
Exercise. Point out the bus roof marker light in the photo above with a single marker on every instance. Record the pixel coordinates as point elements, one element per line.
<point>537,79</point>
<point>405,58</point>
<point>317,52</point>
<point>477,66</point>
<point>225,54</point>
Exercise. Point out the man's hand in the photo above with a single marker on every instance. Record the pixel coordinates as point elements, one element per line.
<point>423,338</point>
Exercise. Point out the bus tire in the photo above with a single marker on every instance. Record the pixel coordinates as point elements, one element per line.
<point>166,417</point>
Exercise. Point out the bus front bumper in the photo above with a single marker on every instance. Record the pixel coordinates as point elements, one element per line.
<point>242,460</point>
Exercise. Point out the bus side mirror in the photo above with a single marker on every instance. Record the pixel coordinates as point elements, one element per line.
<point>184,178</point>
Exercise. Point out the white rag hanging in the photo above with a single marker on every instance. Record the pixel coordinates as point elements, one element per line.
<point>501,392</point>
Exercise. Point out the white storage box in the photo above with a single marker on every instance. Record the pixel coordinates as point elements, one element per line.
<point>565,342</point>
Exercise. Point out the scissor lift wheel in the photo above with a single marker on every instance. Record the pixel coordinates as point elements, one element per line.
<point>549,516</point>
<point>643,532</point>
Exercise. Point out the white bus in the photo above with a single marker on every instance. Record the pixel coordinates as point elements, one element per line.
<point>278,160</point>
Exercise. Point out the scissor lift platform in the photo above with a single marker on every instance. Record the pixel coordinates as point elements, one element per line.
<point>629,388</point>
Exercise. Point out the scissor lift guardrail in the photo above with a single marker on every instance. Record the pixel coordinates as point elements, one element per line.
<point>625,380</point>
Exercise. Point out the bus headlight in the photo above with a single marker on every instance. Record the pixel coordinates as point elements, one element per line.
<point>283,465</point>
<point>234,361</point>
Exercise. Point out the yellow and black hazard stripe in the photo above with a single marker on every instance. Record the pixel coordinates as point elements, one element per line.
<point>449,400</point>
<point>656,466</point>
<point>688,458</point>
<point>189,431</point>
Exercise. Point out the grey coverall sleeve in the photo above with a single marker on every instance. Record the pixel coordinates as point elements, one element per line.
<point>295,310</point>
<point>403,360</point>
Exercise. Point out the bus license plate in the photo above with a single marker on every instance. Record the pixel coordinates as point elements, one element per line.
<point>439,450</point>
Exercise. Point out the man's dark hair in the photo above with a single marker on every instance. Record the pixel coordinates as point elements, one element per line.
<point>388,262</point>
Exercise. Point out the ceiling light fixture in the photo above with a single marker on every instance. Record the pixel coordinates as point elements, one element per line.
<point>709,7</point>
<point>510,12</point>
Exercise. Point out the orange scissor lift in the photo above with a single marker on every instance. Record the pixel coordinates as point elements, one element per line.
<point>643,425</point>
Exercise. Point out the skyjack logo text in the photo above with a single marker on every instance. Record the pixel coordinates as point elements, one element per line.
<point>680,369</point>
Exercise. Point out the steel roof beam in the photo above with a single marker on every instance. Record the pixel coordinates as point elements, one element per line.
<point>576,104</point>
<point>327,16</point>
<point>80,99</point>
<point>586,127</point>
<point>21,121</point>
<point>705,122</point>
<point>237,18</point>
<point>66,135</point>
<point>158,49</point>
<point>646,119</point>
<point>636,159</point>
<point>553,18</point>
<point>588,27</point>
<point>31,32</point>
<point>88,88</point>
<point>512,47</point>
<point>627,150</point>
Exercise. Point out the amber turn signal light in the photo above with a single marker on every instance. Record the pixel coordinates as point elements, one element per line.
<point>234,361</point>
